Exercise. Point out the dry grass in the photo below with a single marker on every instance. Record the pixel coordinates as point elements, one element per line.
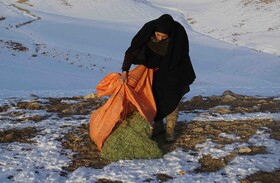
<point>247,2</point>
<point>267,1</point>
<point>22,1</point>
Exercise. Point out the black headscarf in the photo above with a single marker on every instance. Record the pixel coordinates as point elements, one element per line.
<point>164,25</point>
<point>171,81</point>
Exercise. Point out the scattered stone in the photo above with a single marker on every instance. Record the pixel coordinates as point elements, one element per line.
<point>10,177</point>
<point>230,93</point>
<point>90,96</point>
<point>244,150</point>
<point>16,46</point>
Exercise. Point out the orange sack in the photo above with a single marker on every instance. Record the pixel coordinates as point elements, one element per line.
<point>137,91</point>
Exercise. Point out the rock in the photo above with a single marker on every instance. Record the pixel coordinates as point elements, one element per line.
<point>228,98</point>
<point>90,96</point>
<point>34,96</point>
<point>244,150</point>
<point>228,92</point>
<point>198,130</point>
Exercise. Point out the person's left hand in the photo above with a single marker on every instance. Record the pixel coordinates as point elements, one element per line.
<point>123,77</point>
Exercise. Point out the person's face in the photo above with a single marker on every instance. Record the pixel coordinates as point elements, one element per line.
<point>160,36</point>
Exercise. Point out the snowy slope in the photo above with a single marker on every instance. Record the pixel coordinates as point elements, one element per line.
<point>251,23</point>
<point>65,47</point>
<point>60,32</point>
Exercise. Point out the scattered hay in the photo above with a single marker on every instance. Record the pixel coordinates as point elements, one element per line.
<point>131,140</point>
<point>87,154</point>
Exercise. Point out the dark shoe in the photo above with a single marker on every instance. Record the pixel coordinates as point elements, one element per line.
<point>158,128</point>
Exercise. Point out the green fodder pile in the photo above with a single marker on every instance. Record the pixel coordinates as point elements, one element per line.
<point>131,139</point>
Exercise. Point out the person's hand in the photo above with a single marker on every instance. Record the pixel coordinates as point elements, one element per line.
<point>123,77</point>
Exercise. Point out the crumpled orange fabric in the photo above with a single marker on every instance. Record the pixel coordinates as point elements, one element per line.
<point>137,91</point>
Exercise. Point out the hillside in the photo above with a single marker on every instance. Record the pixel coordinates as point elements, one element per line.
<point>53,53</point>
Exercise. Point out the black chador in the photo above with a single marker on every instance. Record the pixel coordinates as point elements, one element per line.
<point>171,56</point>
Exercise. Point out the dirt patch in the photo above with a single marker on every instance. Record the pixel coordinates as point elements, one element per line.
<point>16,46</point>
<point>33,105</point>
<point>231,103</point>
<point>73,106</point>
<point>24,135</point>
<point>275,130</point>
<point>64,107</point>
<point>193,133</point>
<point>88,155</point>
<point>86,151</point>
<point>161,177</point>
<point>188,135</point>
<point>210,164</point>
<point>107,181</point>
<point>263,177</point>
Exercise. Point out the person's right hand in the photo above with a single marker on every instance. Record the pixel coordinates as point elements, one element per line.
<point>123,77</point>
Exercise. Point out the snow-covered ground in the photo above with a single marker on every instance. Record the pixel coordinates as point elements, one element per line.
<point>68,46</point>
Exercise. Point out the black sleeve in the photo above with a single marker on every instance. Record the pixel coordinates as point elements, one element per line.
<point>128,59</point>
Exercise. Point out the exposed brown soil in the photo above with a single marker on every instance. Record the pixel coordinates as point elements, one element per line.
<point>24,135</point>
<point>263,177</point>
<point>196,132</point>
<point>188,135</point>
<point>86,151</point>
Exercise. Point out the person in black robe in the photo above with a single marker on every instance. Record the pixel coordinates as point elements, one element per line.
<point>162,44</point>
